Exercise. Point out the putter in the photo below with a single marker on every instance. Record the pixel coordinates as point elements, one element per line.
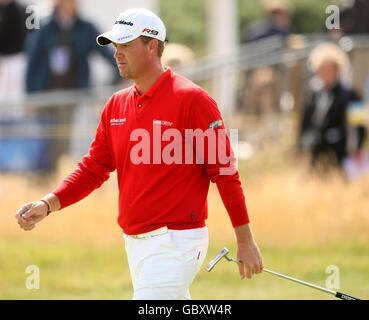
<point>223,254</point>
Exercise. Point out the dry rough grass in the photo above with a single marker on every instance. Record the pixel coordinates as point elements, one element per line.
<point>286,207</point>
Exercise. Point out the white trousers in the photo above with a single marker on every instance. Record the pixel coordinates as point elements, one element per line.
<point>163,267</point>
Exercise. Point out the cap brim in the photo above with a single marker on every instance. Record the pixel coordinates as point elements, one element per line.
<point>114,36</point>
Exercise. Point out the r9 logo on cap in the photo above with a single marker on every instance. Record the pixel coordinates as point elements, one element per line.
<point>149,31</point>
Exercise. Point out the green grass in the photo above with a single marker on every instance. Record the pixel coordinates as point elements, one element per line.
<point>86,271</point>
<point>306,263</point>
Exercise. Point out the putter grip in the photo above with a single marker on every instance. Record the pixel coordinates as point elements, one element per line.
<point>344,296</point>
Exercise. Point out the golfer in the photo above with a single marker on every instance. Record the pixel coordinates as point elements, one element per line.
<point>162,194</point>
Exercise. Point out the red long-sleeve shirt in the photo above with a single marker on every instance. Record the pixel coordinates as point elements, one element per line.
<point>153,194</point>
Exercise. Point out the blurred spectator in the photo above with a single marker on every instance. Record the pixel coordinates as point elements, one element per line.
<point>58,52</point>
<point>176,54</point>
<point>12,68</point>
<point>12,27</point>
<point>261,93</point>
<point>355,18</point>
<point>58,59</point>
<point>277,23</point>
<point>12,58</point>
<point>324,129</point>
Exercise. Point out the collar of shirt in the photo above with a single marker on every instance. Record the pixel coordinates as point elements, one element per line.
<point>156,85</point>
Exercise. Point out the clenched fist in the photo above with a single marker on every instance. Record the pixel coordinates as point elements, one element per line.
<point>31,213</point>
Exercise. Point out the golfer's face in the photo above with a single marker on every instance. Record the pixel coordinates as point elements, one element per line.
<point>131,58</point>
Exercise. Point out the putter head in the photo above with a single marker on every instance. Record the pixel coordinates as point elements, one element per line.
<point>217,258</point>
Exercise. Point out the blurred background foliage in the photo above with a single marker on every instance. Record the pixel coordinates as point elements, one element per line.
<point>190,28</point>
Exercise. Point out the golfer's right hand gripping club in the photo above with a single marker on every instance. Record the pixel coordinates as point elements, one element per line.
<point>225,251</point>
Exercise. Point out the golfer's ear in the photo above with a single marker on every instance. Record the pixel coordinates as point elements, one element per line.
<point>153,46</point>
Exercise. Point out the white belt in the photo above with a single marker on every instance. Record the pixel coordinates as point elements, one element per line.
<point>150,234</point>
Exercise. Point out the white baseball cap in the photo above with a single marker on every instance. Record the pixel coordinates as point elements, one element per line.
<point>131,24</point>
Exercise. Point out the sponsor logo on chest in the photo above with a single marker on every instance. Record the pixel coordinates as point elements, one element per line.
<point>118,122</point>
<point>163,123</point>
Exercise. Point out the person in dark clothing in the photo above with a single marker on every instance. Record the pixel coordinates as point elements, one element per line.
<point>58,59</point>
<point>58,52</point>
<point>324,127</point>
<point>12,67</point>
<point>277,23</point>
<point>12,58</point>
<point>355,19</point>
<point>12,27</point>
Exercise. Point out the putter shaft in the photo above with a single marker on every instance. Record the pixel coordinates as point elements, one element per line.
<point>301,282</point>
<point>225,251</point>
<point>290,278</point>
<point>337,294</point>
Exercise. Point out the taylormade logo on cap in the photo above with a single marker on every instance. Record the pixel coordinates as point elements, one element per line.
<point>131,24</point>
<point>124,22</point>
